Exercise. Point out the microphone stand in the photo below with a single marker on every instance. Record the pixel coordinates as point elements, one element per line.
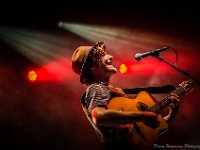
<point>179,70</point>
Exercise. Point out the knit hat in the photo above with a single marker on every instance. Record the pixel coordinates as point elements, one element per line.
<point>83,56</point>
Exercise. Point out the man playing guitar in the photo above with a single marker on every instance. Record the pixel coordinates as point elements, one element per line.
<point>118,121</point>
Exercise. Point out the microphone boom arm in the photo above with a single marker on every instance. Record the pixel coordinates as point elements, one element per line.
<point>179,70</point>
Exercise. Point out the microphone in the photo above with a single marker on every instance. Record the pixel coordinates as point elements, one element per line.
<point>140,56</point>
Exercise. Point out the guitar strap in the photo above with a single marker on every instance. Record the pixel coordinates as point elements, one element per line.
<point>152,90</point>
<point>98,132</point>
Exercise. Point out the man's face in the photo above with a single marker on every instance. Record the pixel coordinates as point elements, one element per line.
<point>104,68</point>
<point>106,65</point>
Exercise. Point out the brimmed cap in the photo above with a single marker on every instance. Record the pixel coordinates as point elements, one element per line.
<point>80,59</point>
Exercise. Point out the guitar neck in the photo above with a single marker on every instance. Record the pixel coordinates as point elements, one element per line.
<point>159,106</point>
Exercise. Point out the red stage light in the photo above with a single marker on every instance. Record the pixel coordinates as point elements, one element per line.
<point>32,75</point>
<point>146,67</point>
<point>123,68</point>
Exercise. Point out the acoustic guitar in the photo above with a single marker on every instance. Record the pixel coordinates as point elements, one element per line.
<point>145,134</point>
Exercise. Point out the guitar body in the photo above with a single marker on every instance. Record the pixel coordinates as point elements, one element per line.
<point>143,135</point>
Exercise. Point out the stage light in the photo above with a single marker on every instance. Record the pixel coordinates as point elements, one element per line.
<point>32,75</point>
<point>123,69</point>
<point>52,72</point>
<point>40,74</point>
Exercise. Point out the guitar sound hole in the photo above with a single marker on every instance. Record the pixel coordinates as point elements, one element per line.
<point>142,106</point>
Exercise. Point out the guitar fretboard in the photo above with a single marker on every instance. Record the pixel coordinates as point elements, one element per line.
<point>166,100</point>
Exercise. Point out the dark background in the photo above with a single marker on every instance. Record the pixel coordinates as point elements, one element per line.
<point>48,115</point>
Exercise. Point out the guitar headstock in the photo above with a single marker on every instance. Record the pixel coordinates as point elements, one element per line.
<point>187,86</point>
